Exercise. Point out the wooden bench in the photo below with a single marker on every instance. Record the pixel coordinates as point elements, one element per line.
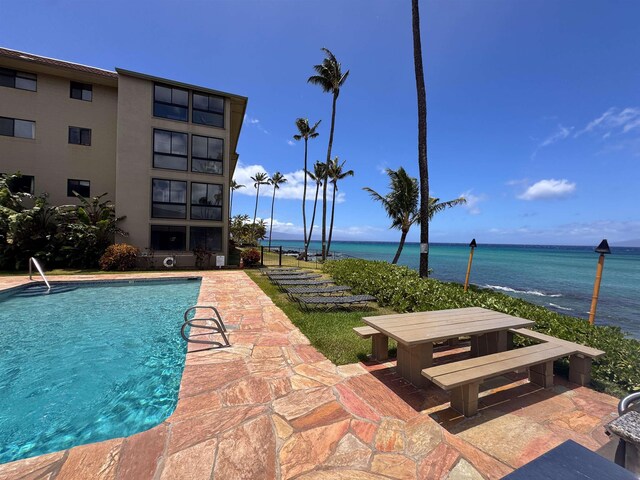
<point>379,342</point>
<point>464,378</point>
<point>579,362</point>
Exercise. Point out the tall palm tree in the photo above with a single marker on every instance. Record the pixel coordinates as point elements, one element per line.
<point>233,186</point>
<point>330,78</point>
<point>276,180</point>
<point>401,204</point>
<point>305,132</point>
<point>423,164</point>
<point>335,172</point>
<point>318,176</point>
<point>259,178</point>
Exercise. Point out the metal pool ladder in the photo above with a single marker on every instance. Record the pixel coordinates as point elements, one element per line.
<point>218,328</point>
<point>33,261</point>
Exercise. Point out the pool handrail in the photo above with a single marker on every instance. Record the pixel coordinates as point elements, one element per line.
<point>33,261</point>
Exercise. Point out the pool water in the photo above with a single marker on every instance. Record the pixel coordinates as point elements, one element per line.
<point>100,361</point>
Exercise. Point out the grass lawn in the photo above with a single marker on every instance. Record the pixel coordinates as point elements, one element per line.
<point>330,332</point>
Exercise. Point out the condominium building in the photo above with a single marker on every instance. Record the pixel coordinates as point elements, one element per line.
<point>163,151</point>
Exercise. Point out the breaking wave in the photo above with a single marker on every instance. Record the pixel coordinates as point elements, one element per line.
<point>522,292</point>
<point>559,307</point>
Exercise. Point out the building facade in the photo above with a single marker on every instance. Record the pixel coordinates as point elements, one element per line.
<point>163,151</point>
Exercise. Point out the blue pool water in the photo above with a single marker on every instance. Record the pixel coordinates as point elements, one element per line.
<point>97,362</point>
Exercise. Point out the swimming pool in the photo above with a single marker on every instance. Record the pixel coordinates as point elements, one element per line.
<point>97,360</point>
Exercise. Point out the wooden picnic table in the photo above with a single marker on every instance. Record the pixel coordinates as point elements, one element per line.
<point>417,332</point>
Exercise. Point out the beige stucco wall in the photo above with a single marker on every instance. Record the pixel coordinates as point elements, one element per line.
<point>134,166</point>
<point>50,158</point>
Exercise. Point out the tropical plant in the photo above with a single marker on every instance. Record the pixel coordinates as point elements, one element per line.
<point>245,233</point>
<point>335,172</point>
<point>318,175</point>
<point>305,132</point>
<point>401,204</point>
<point>330,78</point>
<point>423,164</point>
<point>250,258</point>
<point>259,178</point>
<point>276,180</point>
<point>120,257</point>
<point>233,186</point>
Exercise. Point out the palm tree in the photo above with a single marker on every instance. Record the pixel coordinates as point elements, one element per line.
<point>305,132</point>
<point>233,186</point>
<point>317,176</point>
<point>259,178</point>
<point>401,204</point>
<point>276,180</point>
<point>330,78</point>
<point>423,164</point>
<point>335,172</point>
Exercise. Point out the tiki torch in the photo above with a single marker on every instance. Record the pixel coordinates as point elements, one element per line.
<point>472,245</point>
<point>602,249</point>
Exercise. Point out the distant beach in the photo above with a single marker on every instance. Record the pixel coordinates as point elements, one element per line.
<point>557,277</point>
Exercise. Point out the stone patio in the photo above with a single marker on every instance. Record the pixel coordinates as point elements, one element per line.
<point>272,406</point>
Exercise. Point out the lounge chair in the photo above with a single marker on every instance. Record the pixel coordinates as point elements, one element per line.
<point>328,303</point>
<point>302,283</point>
<point>266,270</point>
<point>309,276</point>
<point>317,290</point>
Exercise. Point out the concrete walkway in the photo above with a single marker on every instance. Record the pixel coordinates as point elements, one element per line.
<point>273,407</point>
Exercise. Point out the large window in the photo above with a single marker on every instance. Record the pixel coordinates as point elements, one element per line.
<point>169,150</point>
<point>13,127</point>
<point>208,238</point>
<point>79,136</point>
<point>171,103</point>
<point>206,154</point>
<point>168,237</point>
<point>206,201</point>
<point>169,199</point>
<point>15,79</point>
<point>208,110</point>
<point>81,187</point>
<point>81,91</point>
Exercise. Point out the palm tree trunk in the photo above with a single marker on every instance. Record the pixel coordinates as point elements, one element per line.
<point>273,202</point>
<point>422,142</point>
<point>313,219</point>
<point>324,187</point>
<point>255,212</point>
<point>403,237</point>
<point>333,209</point>
<point>304,195</point>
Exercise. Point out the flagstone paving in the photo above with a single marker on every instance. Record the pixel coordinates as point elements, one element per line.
<point>272,406</point>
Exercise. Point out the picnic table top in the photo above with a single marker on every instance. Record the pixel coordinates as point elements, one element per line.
<point>425,327</point>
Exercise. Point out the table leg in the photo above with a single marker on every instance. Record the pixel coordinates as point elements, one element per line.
<point>411,361</point>
<point>542,374</point>
<point>464,399</point>
<point>380,347</point>
<point>488,343</point>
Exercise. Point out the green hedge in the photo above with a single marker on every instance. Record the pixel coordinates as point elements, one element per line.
<point>402,290</point>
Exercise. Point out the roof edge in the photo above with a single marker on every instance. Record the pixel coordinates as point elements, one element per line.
<point>27,56</point>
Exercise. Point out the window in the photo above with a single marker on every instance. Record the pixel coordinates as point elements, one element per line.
<point>15,79</point>
<point>171,103</point>
<point>169,199</point>
<point>167,237</point>
<point>12,127</point>
<point>80,136</point>
<point>206,201</point>
<point>206,154</point>
<point>81,91</point>
<point>81,187</point>
<point>208,110</point>
<point>209,238</point>
<point>21,183</point>
<point>169,150</point>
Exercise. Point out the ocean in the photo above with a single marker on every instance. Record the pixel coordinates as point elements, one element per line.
<point>559,278</point>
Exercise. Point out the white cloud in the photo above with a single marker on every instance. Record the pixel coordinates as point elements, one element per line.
<point>546,189</point>
<point>614,121</point>
<point>291,143</point>
<point>255,122</point>
<point>560,134</point>
<point>292,190</point>
<point>472,202</point>
<point>577,233</point>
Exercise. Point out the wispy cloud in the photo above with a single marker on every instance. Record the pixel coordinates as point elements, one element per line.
<point>612,122</point>
<point>292,190</point>
<point>472,202</point>
<point>256,123</point>
<point>577,233</point>
<point>548,189</point>
<point>560,133</point>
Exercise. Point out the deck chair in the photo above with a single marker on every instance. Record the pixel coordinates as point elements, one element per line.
<point>328,303</point>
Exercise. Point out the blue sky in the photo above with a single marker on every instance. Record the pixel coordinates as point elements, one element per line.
<point>533,107</point>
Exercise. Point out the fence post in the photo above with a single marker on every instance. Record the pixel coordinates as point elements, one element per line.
<point>262,255</point>
<point>280,257</point>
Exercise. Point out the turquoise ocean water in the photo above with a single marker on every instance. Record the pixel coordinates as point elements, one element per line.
<point>557,277</point>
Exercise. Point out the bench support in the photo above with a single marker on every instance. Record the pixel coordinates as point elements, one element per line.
<point>580,369</point>
<point>464,399</point>
<point>542,374</point>
<point>488,343</point>
<point>411,361</point>
<point>380,347</point>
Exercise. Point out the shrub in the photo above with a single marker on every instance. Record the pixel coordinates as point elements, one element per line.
<point>250,257</point>
<point>119,257</point>
<point>402,289</point>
